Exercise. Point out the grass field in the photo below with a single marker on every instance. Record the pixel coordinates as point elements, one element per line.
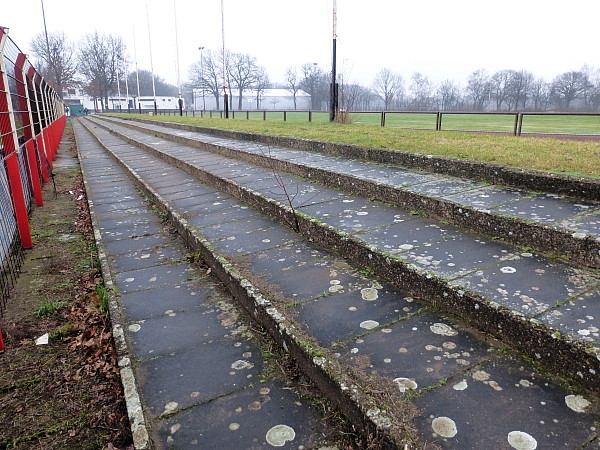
<point>564,156</point>
<point>568,124</point>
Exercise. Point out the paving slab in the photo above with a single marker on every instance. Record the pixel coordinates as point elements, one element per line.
<point>529,284</point>
<point>425,349</point>
<point>262,416</point>
<point>501,404</point>
<point>546,208</point>
<point>198,374</point>
<point>578,317</point>
<point>155,302</point>
<point>353,310</point>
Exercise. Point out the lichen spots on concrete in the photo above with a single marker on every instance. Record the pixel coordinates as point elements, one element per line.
<point>405,384</point>
<point>369,294</point>
<point>170,407</point>
<point>460,386</point>
<point>369,324</point>
<point>577,403</point>
<point>240,364</point>
<point>444,427</point>
<point>521,440</point>
<point>279,435</point>
<point>480,375</point>
<point>443,329</point>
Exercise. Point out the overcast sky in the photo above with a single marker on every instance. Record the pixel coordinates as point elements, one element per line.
<point>441,39</point>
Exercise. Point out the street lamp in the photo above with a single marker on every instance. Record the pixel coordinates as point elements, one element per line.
<point>202,78</point>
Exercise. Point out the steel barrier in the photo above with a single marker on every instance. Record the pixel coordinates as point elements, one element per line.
<point>32,120</point>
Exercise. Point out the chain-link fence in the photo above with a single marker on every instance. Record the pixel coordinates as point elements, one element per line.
<point>32,120</point>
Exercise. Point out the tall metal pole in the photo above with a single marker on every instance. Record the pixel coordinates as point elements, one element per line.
<point>225,97</point>
<point>151,63</point>
<point>119,87</point>
<point>50,59</point>
<point>202,77</point>
<point>137,74</point>
<point>177,56</point>
<point>333,93</point>
<point>127,90</point>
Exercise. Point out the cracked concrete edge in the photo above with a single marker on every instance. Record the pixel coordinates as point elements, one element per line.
<point>141,437</point>
<point>363,410</point>
<point>580,249</point>
<point>585,188</point>
<point>566,356</point>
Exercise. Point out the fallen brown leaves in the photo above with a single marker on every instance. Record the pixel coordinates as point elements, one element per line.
<point>66,394</point>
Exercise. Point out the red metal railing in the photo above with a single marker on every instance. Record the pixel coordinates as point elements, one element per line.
<point>32,120</point>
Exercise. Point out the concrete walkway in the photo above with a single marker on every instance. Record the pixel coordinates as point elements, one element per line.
<point>202,378</point>
<point>345,327</point>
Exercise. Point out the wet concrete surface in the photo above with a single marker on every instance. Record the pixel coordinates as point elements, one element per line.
<point>422,182</point>
<point>193,353</point>
<point>352,313</point>
<point>473,261</point>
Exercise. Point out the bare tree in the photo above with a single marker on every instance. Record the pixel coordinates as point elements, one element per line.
<point>448,94</point>
<point>540,95</point>
<point>591,96</point>
<point>293,83</point>
<point>261,83</point>
<point>208,75</point>
<point>243,72</point>
<point>57,60</point>
<point>519,89</point>
<point>389,86</point>
<point>421,89</point>
<point>499,88</point>
<point>101,57</point>
<point>315,83</point>
<point>478,88</point>
<point>145,77</point>
<point>567,87</point>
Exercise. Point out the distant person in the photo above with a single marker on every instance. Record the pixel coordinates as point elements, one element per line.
<point>85,111</point>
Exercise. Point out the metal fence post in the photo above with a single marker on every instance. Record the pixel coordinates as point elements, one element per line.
<point>520,127</point>
<point>27,118</point>
<point>11,149</point>
<point>383,118</point>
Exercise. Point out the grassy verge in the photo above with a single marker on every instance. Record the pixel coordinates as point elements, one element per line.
<point>562,156</point>
<point>65,394</point>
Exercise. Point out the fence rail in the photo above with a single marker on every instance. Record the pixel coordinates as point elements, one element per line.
<point>32,120</point>
<point>517,123</point>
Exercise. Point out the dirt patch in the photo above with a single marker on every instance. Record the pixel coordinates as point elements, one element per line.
<point>66,394</point>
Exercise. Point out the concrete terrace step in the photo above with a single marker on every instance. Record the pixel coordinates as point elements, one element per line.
<point>548,222</point>
<point>367,344</point>
<point>544,308</point>
<point>194,377</point>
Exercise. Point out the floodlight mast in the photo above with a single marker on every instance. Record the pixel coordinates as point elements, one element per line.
<point>225,97</point>
<point>180,101</point>
<point>202,78</point>
<point>333,96</point>
<point>151,63</point>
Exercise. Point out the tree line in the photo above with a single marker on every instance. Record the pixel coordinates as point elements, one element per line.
<point>98,65</point>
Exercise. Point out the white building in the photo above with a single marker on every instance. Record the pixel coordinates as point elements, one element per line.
<point>77,97</point>
<point>269,99</point>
